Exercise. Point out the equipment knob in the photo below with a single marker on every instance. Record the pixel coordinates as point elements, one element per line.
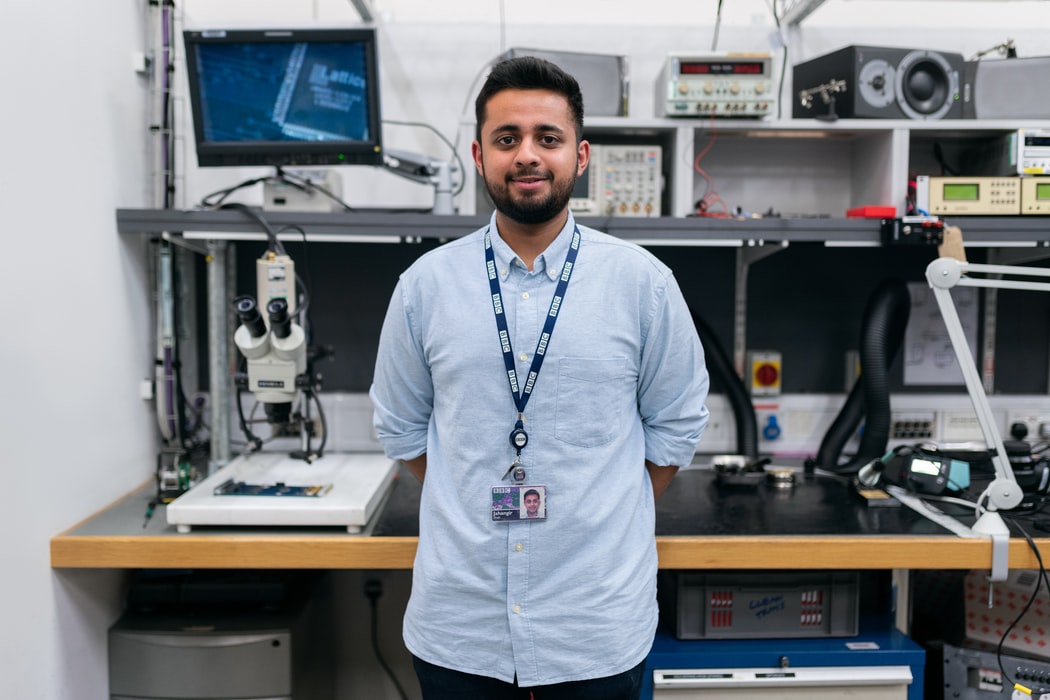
<point>708,88</point>
<point>734,88</point>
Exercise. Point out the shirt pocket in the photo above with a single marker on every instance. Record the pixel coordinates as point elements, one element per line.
<point>591,397</point>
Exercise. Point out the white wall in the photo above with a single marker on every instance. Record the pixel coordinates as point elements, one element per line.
<point>73,128</point>
<point>433,55</point>
<point>75,435</point>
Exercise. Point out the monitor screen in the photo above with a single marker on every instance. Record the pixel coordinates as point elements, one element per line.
<point>284,97</point>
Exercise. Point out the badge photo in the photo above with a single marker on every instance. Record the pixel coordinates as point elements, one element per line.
<point>519,503</point>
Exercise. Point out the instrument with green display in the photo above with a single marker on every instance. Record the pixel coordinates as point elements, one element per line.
<point>1035,195</point>
<point>978,195</point>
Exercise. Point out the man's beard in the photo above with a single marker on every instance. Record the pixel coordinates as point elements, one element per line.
<point>531,210</point>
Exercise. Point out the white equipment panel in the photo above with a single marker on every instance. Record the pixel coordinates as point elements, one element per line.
<point>620,181</point>
<point>716,84</point>
<point>858,682</point>
<point>353,488</point>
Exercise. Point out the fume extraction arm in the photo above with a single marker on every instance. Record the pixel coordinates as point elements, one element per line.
<point>721,366</point>
<point>882,333</point>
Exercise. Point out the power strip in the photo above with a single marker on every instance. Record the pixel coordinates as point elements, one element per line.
<point>794,425</point>
<point>803,420</point>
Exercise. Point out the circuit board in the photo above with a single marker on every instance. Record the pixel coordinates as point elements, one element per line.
<point>233,487</point>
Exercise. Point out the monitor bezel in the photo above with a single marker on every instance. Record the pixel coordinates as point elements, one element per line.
<point>286,153</point>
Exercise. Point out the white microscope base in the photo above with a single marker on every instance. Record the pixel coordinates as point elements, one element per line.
<point>358,484</point>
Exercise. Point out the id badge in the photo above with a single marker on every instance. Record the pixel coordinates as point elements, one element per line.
<point>519,502</point>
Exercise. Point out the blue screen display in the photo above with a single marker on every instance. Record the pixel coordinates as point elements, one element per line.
<point>285,96</point>
<point>310,92</point>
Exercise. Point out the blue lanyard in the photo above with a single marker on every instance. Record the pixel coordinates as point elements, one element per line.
<point>522,398</point>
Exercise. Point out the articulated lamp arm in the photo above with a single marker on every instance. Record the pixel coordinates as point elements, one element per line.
<point>425,170</point>
<point>943,274</point>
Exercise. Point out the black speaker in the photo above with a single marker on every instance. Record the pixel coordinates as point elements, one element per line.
<point>879,83</point>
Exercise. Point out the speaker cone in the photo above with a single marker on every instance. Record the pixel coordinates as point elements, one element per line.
<point>926,85</point>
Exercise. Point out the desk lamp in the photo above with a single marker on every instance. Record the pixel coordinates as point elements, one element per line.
<point>1003,493</point>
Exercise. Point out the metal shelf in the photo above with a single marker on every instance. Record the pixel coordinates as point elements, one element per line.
<point>364,227</point>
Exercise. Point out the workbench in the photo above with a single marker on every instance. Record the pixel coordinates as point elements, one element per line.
<point>818,523</point>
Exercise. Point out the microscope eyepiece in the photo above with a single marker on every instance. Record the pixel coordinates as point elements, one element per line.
<point>248,313</point>
<point>280,323</point>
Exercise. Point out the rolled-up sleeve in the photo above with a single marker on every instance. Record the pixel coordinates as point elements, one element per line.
<point>402,390</point>
<point>673,381</point>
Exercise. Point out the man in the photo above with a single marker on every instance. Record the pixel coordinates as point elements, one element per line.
<point>536,354</point>
<point>532,503</point>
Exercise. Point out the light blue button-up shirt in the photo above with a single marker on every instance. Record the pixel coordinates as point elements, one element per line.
<point>571,597</point>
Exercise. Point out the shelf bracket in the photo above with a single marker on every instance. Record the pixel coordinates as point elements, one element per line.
<point>745,256</point>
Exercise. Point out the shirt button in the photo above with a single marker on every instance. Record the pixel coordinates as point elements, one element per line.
<point>518,547</point>
<point>517,609</point>
<point>503,272</point>
<point>525,295</point>
<point>523,356</point>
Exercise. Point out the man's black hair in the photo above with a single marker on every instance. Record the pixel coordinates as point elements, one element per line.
<point>530,73</point>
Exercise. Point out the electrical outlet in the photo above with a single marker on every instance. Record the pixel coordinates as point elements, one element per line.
<point>793,425</point>
<point>720,433</point>
<point>918,425</point>
<point>960,426</point>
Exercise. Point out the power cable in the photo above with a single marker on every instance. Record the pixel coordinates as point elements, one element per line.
<point>783,61</point>
<point>1041,579</point>
<point>374,589</point>
<point>718,25</point>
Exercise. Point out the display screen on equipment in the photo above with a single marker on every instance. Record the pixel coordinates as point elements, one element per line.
<point>961,192</point>
<point>284,97</point>
<point>1042,190</point>
<point>721,68</point>
<point>582,188</point>
<point>925,466</point>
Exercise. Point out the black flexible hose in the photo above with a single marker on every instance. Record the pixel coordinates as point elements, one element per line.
<point>882,332</point>
<point>743,411</point>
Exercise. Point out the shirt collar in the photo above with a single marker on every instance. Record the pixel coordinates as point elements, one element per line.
<point>548,262</point>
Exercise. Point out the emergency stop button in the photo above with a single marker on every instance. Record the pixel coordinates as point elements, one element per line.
<point>765,375</point>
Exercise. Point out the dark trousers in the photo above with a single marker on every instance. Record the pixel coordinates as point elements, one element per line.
<point>439,683</point>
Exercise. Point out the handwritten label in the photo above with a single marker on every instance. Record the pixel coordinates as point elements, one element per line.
<point>761,607</point>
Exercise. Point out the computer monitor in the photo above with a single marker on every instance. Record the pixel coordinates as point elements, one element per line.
<point>295,97</point>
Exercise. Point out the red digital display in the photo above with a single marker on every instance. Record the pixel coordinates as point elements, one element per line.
<point>721,68</point>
